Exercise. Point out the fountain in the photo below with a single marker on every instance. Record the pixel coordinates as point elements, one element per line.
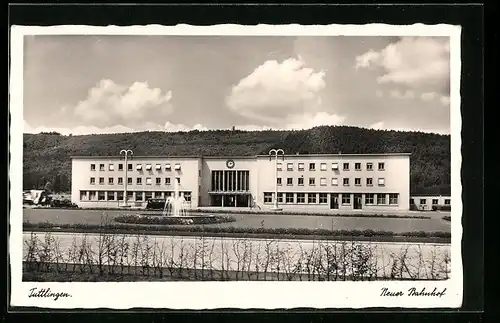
<point>174,205</point>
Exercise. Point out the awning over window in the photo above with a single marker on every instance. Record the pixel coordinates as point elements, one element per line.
<point>158,166</point>
<point>148,167</point>
<point>381,181</point>
<point>139,167</point>
<point>335,166</point>
<point>168,167</point>
<point>177,166</point>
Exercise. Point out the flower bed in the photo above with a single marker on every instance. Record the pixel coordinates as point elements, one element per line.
<point>168,220</point>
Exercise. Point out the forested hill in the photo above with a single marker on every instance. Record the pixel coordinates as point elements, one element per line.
<point>47,155</point>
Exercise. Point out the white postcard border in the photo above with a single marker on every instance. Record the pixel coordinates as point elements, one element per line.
<point>244,295</point>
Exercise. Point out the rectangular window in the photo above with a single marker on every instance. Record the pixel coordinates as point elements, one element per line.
<point>312,166</point>
<point>177,167</point>
<point>322,166</point>
<point>381,181</point>
<point>447,202</point>
<point>393,198</point>
<point>323,198</point>
<point>289,198</point>
<point>301,181</point>
<point>101,196</point>
<point>130,167</point>
<point>111,167</point>
<point>335,166</point>
<point>93,195</point>
<point>110,181</point>
<point>357,166</point>
<point>101,167</point>
<point>148,181</point>
<point>139,181</point>
<point>412,201</point>
<point>289,181</point>
<point>83,195</point>
<point>357,181</point>
<point>158,181</point>
<point>139,167</point>
<point>346,166</point>
<point>423,201</point>
<point>158,167</point>
<point>346,181</point>
<point>139,196</point>
<point>346,198</point>
<point>101,180</point>
<point>380,198</point>
<point>92,181</point>
<point>278,181</point>
<point>129,181</point>
<point>158,195</point>
<point>111,196</point>
<point>435,201</point>
<point>369,182</point>
<point>312,181</point>
<point>120,195</point>
<point>149,195</point>
<point>311,198</point>
<point>92,166</point>
<point>130,196</point>
<point>301,166</point>
<point>279,166</point>
<point>187,197</point>
<point>369,166</point>
<point>149,167</point>
<point>168,167</point>
<point>335,181</point>
<point>369,198</point>
<point>381,166</point>
<point>301,197</point>
<point>289,166</point>
<point>120,167</point>
<point>322,181</point>
<point>280,197</point>
<point>167,180</point>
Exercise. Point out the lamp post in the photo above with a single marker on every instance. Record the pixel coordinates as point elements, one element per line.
<point>276,152</point>
<point>126,153</point>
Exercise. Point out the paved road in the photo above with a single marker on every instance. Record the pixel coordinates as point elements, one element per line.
<point>254,221</point>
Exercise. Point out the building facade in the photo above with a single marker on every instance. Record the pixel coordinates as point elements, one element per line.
<point>374,182</point>
<point>427,202</point>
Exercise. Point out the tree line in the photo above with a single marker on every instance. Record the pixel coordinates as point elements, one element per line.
<point>46,156</point>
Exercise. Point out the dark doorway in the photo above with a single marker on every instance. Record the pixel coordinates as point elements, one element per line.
<point>334,201</point>
<point>229,200</point>
<point>216,200</point>
<point>242,201</point>
<point>358,205</point>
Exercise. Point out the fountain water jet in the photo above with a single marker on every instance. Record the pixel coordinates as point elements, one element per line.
<point>174,205</point>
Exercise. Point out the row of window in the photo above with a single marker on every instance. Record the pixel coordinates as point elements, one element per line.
<point>131,195</point>
<point>334,181</point>
<point>130,167</point>
<point>138,181</point>
<point>434,201</point>
<point>322,198</point>
<point>324,167</point>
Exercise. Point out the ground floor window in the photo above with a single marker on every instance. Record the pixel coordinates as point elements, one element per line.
<point>280,197</point>
<point>311,198</point>
<point>120,195</point>
<point>380,198</point>
<point>149,195</point>
<point>187,196</point>
<point>139,196</point>
<point>301,198</point>
<point>111,196</point>
<point>268,197</point>
<point>369,198</point>
<point>289,198</point>
<point>435,201</point>
<point>346,198</point>
<point>323,198</point>
<point>158,195</point>
<point>423,201</point>
<point>393,198</point>
<point>447,202</point>
<point>83,195</point>
<point>130,195</point>
<point>101,196</point>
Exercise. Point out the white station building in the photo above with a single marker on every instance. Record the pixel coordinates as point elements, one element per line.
<point>372,182</point>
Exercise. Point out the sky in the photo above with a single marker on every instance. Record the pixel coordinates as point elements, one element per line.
<point>87,84</point>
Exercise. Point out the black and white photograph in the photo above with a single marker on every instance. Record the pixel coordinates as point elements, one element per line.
<point>236,166</point>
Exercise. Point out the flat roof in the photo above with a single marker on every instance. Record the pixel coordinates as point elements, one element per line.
<point>238,157</point>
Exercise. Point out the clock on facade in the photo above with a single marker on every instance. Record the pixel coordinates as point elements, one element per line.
<point>230,163</point>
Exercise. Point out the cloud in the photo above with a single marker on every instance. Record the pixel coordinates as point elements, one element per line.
<point>408,94</point>
<point>109,104</point>
<point>428,96</point>
<point>276,90</point>
<point>417,62</point>
<point>307,121</point>
<point>381,126</point>
<point>379,94</point>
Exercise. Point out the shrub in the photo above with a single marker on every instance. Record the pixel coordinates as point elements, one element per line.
<point>167,220</point>
<point>441,208</point>
<point>446,218</point>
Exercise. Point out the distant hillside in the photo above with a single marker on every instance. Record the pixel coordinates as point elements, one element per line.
<point>47,155</point>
